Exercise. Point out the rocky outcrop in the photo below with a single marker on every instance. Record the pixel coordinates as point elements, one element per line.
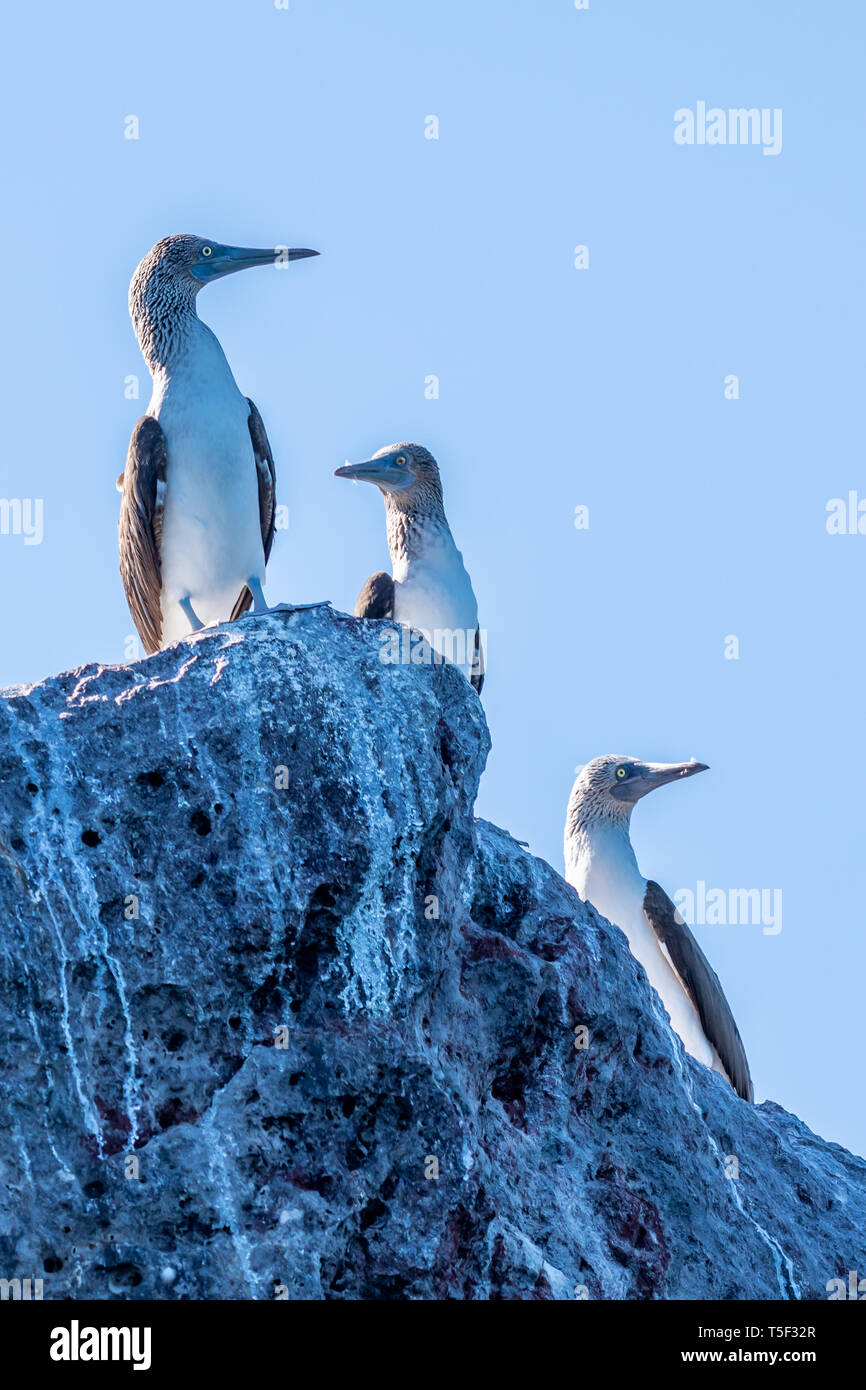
<point>280,1018</point>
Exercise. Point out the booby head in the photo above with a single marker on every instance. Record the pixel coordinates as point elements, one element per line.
<point>406,472</point>
<point>610,787</point>
<point>194,260</point>
<point>163,288</point>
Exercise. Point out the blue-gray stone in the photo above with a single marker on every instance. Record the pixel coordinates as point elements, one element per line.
<point>278,1017</point>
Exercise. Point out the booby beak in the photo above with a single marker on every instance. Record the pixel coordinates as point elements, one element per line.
<point>648,776</point>
<point>225,260</point>
<point>384,471</point>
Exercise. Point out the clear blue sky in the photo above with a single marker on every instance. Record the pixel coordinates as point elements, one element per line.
<point>559,387</point>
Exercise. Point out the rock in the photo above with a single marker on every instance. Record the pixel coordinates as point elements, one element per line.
<point>281,1019</point>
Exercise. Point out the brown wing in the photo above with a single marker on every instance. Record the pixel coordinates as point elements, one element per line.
<point>140,529</point>
<point>376,599</point>
<point>267,477</point>
<point>477,676</point>
<point>702,986</point>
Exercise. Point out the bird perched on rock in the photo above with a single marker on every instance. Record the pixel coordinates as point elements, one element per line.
<point>197,511</point>
<point>428,588</point>
<point>600,863</point>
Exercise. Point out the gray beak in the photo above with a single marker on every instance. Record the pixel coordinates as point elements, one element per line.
<point>653,775</point>
<point>383,471</point>
<point>659,774</point>
<point>225,260</point>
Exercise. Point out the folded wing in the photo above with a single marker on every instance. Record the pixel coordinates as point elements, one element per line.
<point>266,474</point>
<point>701,983</point>
<point>140,529</point>
<point>376,599</point>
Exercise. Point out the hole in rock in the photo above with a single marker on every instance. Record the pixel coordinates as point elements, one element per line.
<point>152,779</point>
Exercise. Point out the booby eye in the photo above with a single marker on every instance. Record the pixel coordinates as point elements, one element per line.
<point>621,772</point>
<point>207,250</point>
<point>401,460</point>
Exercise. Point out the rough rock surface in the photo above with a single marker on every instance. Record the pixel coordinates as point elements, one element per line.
<point>280,1018</point>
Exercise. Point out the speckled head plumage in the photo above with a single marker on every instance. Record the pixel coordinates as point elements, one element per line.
<point>170,260</point>
<point>608,788</point>
<point>164,285</point>
<point>162,294</point>
<point>407,474</point>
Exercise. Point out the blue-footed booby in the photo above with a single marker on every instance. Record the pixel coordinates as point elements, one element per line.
<point>198,507</point>
<point>600,863</point>
<point>428,588</point>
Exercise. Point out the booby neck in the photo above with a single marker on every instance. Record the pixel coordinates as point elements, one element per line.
<point>597,830</point>
<point>179,348</point>
<point>415,523</point>
<point>162,307</point>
